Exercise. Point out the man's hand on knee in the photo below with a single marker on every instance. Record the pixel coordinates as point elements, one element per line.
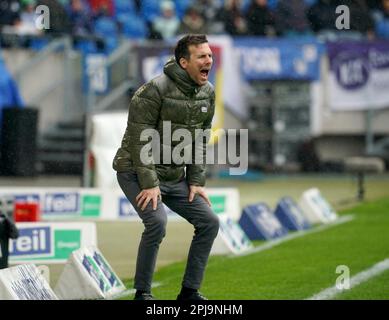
<point>200,191</point>
<point>144,197</point>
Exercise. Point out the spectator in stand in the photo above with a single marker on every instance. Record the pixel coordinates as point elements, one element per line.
<point>59,20</point>
<point>192,22</point>
<point>80,16</point>
<point>233,18</point>
<point>260,20</point>
<point>9,12</point>
<point>361,21</point>
<point>381,18</point>
<point>373,4</point>
<point>322,17</point>
<point>209,9</point>
<point>26,25</point>
<point>291,18</point>
<point>167,23</point>
<point>101,8</point>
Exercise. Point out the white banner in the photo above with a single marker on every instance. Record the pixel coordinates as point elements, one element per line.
<point>358,75</point>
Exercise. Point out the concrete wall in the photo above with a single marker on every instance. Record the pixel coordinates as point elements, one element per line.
<point>52,106</point>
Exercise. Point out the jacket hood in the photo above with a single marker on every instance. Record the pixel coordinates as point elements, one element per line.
<point>182,79</point>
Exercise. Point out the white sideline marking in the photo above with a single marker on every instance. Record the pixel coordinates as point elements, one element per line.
<point>363,276</point>
<point>272,243</point>
<point>131,291</point>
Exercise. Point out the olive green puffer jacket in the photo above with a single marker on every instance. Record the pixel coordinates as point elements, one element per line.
<point>175,97</point>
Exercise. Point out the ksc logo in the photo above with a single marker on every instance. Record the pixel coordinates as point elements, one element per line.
<point>61,203</point>
<point>125,208</point>
<point>31,241</point>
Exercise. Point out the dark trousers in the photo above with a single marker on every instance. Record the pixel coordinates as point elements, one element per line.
<point>198,213</point>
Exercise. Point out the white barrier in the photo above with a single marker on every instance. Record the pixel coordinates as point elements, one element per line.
<point>315,208</point>
<point>106,204</point>
<point>60,203</point>
<point>50,242</point>
<point>231,238</point>
<point>24,282</point>
<point>107,134</point>
<point>88,275</point>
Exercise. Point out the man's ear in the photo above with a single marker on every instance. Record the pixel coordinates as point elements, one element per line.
<point>183,63</point>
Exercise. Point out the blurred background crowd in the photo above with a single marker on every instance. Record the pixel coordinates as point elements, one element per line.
<point>309,98</point>
<point>152,19</point>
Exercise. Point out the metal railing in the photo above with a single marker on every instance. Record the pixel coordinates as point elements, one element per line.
<point>92,105</point>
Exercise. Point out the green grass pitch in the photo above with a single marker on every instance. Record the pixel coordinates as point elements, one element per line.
<point>299,268</point>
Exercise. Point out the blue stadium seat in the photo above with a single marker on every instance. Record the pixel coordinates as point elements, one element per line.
<point>382,29</point>
<point>38,44</point>
<point>310,2</point>
<point>86,46</point>
<point>124,6</point>
<point>134,27</point>
<point>105,26</point>
<point>245,4</point>
<point>150,9</point>
<point>181,6</point>
<point>107,29</point>
<point>272,4</point>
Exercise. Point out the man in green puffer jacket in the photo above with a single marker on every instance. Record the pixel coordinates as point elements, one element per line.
<point>180,100</point>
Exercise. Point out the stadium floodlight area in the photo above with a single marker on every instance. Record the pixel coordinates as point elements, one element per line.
<point>24,282</point>
<point>88,275</point>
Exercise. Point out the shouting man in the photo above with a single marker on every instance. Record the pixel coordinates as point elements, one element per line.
<point>183,97</point>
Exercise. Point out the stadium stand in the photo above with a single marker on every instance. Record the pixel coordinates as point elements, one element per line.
<point>103,26</point>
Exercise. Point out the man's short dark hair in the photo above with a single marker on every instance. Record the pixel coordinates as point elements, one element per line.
<point>182,47</point>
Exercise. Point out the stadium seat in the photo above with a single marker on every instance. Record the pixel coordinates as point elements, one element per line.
<point>245,4</point>
<point>38,43</point>
<point>382,29</point>
<point>310,2</point>
<point>124,6</point>
<point>107,29</point>
<point>272,4</point>
<point>105,26</point>
<point>86,46</point>
<point>181,6</point>
<point>134,27</point>
<point>150,9</point>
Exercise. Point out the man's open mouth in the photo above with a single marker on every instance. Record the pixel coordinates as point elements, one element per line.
<point>204,72</point>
